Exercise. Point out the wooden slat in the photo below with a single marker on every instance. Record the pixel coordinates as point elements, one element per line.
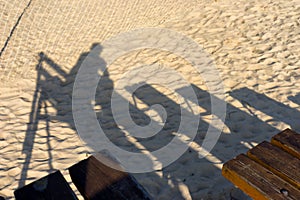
<point>257,181</point>
<point>278,161</point>
<point>97,181</point>
<point>289,141</point>
<point>51,187</point>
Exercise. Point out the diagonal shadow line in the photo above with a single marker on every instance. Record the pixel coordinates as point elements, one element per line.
<point>14,28</point>
<point>39,98</point>
<point>201,94</point>
<point>37,101</point>
<point>264,104</point>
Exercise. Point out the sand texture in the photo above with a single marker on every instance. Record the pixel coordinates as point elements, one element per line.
<point>254,44</point>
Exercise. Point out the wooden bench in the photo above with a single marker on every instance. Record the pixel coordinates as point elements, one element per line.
<point>269,170</point>
<point>93,179</point>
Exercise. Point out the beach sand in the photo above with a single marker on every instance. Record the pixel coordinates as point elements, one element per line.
<point>255,45</point>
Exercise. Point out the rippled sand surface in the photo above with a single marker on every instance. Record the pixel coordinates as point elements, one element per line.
<point>255,45</point>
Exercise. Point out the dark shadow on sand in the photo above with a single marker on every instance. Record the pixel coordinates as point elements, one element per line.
<point>57,91</point>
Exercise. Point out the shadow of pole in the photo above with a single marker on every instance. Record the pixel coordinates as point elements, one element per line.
<point>32,126</point>
<point>149,96</point>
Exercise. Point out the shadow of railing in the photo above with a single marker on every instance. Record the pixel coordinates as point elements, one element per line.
<point>245,127</point>
<point>277,111</point>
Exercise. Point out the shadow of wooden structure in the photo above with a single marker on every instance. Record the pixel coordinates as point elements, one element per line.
<point>269,170</point>
<point>93,179</point>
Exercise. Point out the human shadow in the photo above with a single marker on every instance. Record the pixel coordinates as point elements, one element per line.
<point>187,174</point>
<point>53,91</point>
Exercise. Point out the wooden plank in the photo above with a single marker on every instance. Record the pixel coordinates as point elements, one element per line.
<point>257,181</point>
<point>289,141</point>
<point>95,180</point>
<point>278,161</point>
<point>51,187</point>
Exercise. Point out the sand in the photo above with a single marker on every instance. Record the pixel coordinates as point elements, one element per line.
<point>255,45</point>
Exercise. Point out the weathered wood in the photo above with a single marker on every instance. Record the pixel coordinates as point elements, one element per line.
<point>289,141</point>
<point>257,181</point>
<point>51,187</point>
<point>95,180</point>
<point>278,161</point>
